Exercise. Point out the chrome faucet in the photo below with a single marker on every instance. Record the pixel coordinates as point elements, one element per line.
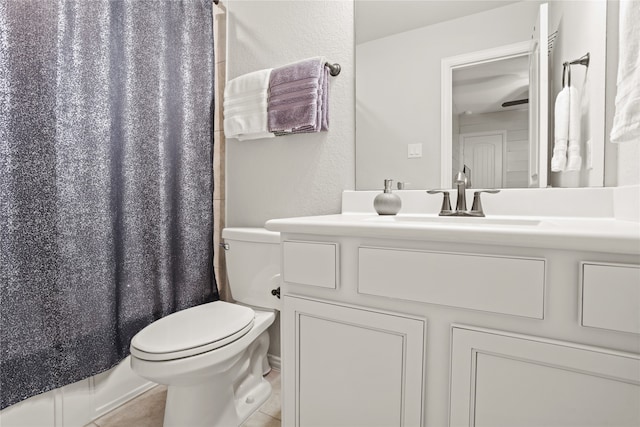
<point>461,181</point>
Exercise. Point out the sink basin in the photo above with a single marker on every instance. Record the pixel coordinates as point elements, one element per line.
<point>458,220</point>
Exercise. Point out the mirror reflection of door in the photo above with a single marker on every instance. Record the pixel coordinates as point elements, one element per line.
<point>482,153</point>
<point>490,106</point>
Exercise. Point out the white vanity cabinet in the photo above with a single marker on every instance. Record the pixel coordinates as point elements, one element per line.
<point>382,331</point>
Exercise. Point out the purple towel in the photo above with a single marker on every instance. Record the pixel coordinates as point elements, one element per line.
<point>298,98</point>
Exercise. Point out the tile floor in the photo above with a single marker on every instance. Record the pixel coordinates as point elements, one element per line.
<point>147,410</point>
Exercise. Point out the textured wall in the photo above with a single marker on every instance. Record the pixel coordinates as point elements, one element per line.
<point>629,163</point>
<point>298,174</point>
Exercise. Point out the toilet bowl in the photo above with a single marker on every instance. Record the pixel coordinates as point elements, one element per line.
<point>213,357</point>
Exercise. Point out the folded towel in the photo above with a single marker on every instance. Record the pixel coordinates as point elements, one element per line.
<point>248,84</point>
<point>298,97</point>
<point>561,130</point>
<point>574,160</point>
<point>626,122</point>
<point>245,106</point>
<point>566,146</point>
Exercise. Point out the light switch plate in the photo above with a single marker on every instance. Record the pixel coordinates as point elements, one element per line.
<point>414,151</point>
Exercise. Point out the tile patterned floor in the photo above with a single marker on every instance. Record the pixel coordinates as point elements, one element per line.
<point>147,410</point>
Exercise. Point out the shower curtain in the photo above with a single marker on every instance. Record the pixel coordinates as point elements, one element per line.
<point>105,180</point>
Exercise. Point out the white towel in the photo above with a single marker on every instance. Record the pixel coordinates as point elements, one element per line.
<point>566,147</point>
<point>626,122</point>
<point>574,159</point>
<point>245,106</point>
<point>561,131</point>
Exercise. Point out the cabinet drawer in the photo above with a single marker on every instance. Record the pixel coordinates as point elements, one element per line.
<point>310,263</point>
<point>490,283</point>
<point>611,296</point>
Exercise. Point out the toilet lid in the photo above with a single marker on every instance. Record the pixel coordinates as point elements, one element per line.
<point>192,331</point>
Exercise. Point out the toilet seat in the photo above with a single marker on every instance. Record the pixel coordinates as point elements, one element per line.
<point>192,331</point>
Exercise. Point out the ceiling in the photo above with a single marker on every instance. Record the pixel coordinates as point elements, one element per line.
<point>482,88</point>
<point>380,18</point>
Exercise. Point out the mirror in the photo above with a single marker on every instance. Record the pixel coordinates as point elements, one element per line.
<point>402,131</point>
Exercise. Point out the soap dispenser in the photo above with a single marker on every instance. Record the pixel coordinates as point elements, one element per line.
<point>387,203</point>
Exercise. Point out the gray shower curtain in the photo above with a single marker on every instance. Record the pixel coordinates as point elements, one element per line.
<point>105,180</point>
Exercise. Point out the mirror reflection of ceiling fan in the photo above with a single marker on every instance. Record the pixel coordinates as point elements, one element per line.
<point>515,102</point>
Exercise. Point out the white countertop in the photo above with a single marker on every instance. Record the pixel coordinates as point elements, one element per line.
<point>569,233</point>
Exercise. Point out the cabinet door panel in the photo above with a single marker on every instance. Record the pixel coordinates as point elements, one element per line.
<point>332,367</point>
<point>539,395</point>
<point>346,366</point>
<point>500,379</point>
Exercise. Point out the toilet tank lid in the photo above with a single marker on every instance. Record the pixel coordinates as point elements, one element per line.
<point>251,234</point>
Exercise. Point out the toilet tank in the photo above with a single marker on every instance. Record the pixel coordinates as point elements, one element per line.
<point>253,265</point>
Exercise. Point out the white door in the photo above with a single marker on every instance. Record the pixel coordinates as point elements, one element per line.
<point>483,154</point>
<point>350,367</point>
<point>501,379</point>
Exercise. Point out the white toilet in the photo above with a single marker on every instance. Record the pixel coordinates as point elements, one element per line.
<point>213,357</point>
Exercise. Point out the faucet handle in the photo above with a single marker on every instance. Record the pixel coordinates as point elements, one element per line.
<point>446,202</point>
<point>476,207</point>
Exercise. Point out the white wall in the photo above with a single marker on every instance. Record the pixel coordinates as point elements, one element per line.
<point>293,175</point>
<point>629,163</point>
<point>398,97</point>
<point>581,27</point>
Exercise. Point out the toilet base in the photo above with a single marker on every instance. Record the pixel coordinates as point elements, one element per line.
<point>212,402</point>
<point>211,406</point>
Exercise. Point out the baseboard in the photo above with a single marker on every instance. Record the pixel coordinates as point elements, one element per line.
<point>121,400</point>
<point>275,362</point>
<point>79,403</point>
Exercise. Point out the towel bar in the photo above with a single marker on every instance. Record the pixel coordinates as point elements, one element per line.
<point>334,69</point>
<point>584,60</point>
<point>566,67</point>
